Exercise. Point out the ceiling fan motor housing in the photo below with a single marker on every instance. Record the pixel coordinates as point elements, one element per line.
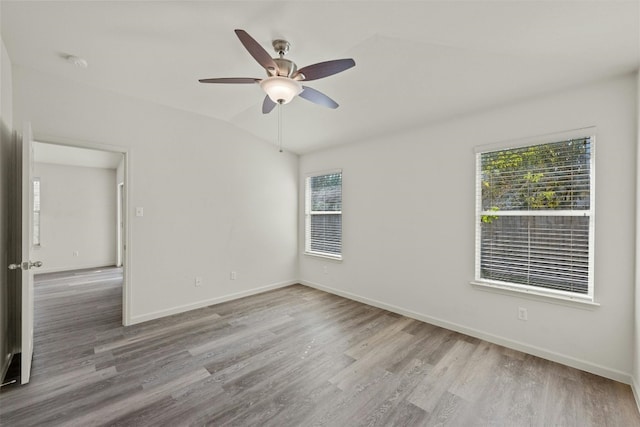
<point>286,68</point>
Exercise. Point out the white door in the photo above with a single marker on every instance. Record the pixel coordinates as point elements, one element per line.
<point>26,264</point>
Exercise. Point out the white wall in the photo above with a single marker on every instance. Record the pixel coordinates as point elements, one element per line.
<point>215,198</point>
<point>408,227</point>
<point>78,214</point>
<point>6,154</point>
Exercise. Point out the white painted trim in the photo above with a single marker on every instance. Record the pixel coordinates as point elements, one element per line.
<point>193,306</point>
<point>43,270</point>
<point>636,318</point>
<point>635,387</point>
<point>541,294</point>
<point>323,255</point>
<point>585,132</point>
<point>541,212</point>
<point>583,365</point>
<point>127,261</point>
<point>323,172</point>
<point>120,213</point>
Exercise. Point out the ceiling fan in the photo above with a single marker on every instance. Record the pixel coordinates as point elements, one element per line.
<point>283,81</point>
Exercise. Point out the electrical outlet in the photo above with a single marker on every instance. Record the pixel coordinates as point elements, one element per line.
<point>233,275</point>
<point>76,253</point>
<point>325,269</point>
<point>198,281</point>
<point>522,313</point>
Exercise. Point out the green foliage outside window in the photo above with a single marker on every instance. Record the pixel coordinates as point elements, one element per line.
<point>547,176</point>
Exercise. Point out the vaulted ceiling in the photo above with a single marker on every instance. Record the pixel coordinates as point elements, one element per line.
<point>418,62</point>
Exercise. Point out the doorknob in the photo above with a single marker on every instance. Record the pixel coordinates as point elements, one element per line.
<point>26,265</point>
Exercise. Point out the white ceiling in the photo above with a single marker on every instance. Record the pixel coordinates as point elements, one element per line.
<point>417,61</point>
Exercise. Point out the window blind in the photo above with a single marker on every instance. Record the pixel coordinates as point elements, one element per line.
<point>323,209</point>
<point>535,216</point>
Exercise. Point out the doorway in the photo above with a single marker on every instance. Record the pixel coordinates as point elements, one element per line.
<point>87,186</point>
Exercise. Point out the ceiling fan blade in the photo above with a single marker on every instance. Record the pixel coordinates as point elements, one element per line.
<point>317,97</point>
<point>267,105</point>
<point>325,69</point>
<point>257,51</point>
<point>231,80</point>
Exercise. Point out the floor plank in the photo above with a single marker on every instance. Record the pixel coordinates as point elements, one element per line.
<point>289,357</point>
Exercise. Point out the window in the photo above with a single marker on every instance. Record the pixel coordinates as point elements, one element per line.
<point>323,215</point>
<point>36,211</point>
<point>534,218</point>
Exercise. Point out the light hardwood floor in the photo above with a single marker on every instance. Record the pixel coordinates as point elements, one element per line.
<point>290,357</point>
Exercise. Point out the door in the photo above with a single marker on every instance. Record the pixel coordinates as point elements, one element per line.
<point>26,265</point>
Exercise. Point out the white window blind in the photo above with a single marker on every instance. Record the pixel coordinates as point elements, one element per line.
<point>323,215</point>
<point>535,218</point>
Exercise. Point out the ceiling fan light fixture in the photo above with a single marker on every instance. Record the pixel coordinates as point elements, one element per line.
<point>281,90</point>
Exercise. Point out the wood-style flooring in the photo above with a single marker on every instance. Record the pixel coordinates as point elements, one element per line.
<point>290,357</point>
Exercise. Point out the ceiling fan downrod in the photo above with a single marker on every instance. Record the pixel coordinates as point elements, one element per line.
<point>280,102</point>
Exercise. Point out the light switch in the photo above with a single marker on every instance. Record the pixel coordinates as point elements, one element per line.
<point>139,211</point>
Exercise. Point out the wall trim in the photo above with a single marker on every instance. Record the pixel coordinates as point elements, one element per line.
<point>583,365</point>
<point>635,387</point>
<point>44,270</point>
<point>217,300</point>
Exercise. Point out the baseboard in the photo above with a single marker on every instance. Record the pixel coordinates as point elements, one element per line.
<point>5,366</point>
<point>636,391</point>
<point>44,270</point>
<point>583,365</point>
<point>193,306</point>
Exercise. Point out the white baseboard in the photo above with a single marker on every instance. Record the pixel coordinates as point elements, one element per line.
<point>583,365</point>
<point>44,270</point>
<point>636,391</point>
<point>217,300</point>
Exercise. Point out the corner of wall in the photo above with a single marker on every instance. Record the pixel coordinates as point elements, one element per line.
<point>636,356</point>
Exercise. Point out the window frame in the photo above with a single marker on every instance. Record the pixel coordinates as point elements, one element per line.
<point>308,213</point>
<point>532,290</point>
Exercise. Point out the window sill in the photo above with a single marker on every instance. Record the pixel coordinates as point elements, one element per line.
<point>323,255</point>
<point>536,296</point>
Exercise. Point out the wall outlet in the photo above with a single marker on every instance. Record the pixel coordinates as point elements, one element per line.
<point>522,313</point>
<point>198,281</point>
<point>233,275</point>
<point>76,253</point>
<point>325,269</point>
<point>139,211</point>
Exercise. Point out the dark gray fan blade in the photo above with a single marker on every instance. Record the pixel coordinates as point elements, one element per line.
<point>257,51</point>
<point>325,69</point>
<point>230,80</point>
<point>267,105</point>
<point>317,97</point>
